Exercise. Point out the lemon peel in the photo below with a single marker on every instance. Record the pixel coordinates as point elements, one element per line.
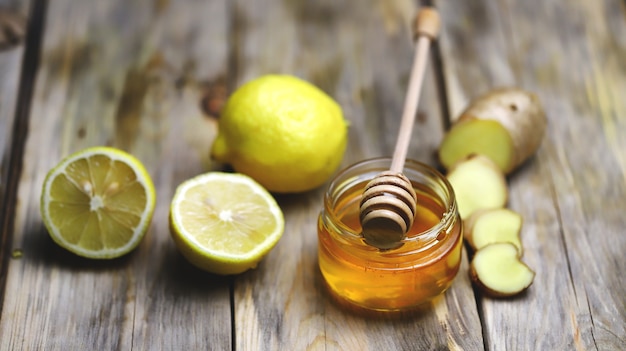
<point>282,131</point>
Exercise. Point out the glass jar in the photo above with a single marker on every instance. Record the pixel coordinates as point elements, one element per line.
<point>421,268</point>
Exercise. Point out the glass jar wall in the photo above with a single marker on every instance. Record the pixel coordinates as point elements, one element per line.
<point>422,267</point>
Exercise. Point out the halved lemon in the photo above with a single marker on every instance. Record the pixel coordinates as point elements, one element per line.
<point>224,223</point>
<point>98,202</point>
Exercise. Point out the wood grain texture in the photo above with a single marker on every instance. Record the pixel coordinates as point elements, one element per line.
<point>13,19</point>
<point>361,55</point>
<point>146,76</point>
<point>572,194</point>
<point>130,75</point>
<point>12,14</point>
<point>13,22</point>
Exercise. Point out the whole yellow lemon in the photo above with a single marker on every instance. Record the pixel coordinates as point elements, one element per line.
<point>282,131</point>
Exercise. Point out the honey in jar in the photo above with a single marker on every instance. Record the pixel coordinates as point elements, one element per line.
<point>421,267</point>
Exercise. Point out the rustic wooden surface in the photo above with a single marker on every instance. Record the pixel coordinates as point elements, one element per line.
<point>149,77</point>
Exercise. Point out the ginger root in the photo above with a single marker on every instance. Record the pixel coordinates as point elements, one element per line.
<point>478,184</point>
<point>493,136</point>
<point>497,270</point>
<point>506,125</point>
<point>490,226</point>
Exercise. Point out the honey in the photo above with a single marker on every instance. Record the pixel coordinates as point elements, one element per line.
<point>421,268</point>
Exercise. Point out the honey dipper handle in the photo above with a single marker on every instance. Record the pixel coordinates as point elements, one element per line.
<point>426,29</point>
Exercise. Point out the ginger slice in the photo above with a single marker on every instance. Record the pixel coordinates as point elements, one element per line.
<point>490,226</point>
<point>477,136</point>
<point>478,184</point>
<point>496,270</point>
<point>507,125</point>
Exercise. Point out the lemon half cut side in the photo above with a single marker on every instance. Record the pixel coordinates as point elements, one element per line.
<point>98,202</point>
<point>224,223</point>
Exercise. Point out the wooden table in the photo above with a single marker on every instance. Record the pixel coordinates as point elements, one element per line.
<point>150,76</point>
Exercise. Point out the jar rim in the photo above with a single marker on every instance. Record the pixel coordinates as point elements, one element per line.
<point>372,166</point>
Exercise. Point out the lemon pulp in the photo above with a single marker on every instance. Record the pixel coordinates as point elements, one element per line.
<point>98,202</point>
<point>224,223</point>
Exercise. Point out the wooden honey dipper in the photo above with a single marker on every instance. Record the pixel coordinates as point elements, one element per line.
<point>389,203</point>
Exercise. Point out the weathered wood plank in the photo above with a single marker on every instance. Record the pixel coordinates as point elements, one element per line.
<point>573,193</point>
<point>131,75</point>
<point>141,69</point>
<point>361,55</point>
<point>13,15</point>
<point>13,28</point>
